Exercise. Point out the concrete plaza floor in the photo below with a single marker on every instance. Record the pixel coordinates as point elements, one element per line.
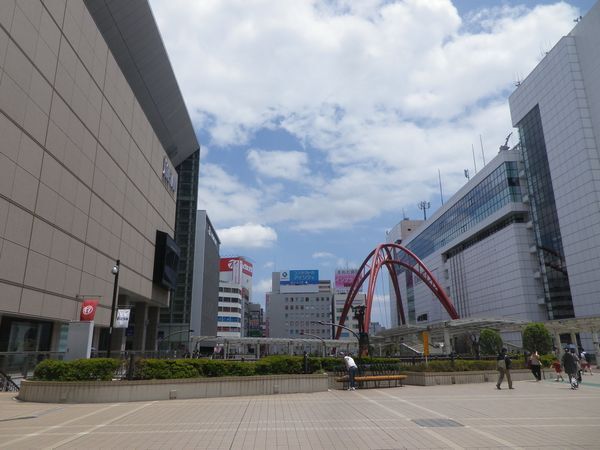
<point>534,415</point>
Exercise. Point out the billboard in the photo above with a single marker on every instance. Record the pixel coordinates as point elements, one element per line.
<point>298,277</point>
<point>231,264</point>
<point>296,281</point>
<point>344,278</point>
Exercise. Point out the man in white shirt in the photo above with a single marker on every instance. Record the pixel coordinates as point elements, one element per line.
<point>352,368</point>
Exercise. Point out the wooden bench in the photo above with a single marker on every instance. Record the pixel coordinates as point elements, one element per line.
<point>363,380</point>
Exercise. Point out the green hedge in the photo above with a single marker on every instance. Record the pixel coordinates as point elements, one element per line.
<point>97,369</point>
<point>147,369</point>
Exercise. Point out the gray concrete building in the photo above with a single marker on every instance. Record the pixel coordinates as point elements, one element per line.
<point>295,311</point>
<point>92,125</point>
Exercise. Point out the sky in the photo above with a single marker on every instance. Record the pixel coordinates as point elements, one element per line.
<point>323,123</point>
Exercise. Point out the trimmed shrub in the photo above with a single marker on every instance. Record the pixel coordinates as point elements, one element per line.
<point>97,369</point>
<point>490,341</point>
<point>273,365</point>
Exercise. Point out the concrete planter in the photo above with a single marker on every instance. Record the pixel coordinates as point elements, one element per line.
<point>467,377</point>
<point>479,376</point>
<point>148,390</point>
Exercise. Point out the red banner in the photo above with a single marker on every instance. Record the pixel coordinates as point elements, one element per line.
<point>88,310</point>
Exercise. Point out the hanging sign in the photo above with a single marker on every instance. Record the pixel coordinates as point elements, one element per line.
<point>122,319</point>
<point>88,309</point>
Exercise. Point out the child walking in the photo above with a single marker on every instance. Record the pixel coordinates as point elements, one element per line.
<point>558,369</point>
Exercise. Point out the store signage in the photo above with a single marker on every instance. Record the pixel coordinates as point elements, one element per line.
<point>169,176</point>
<point>122,320</point>
<point>88,309</point>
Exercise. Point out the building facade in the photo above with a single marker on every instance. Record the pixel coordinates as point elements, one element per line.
<point>521,239</point>
<point>478,246</point>
<point>86,175</point>
<point>294,309</point>
<point>235,277</point>
<point>557,112</point>
<point>193,308</point>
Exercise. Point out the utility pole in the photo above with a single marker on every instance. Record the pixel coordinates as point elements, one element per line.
<point>424,206</point>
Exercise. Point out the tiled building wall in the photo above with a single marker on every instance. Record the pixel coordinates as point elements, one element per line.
<point>80,167</point>
<point>565,85</point>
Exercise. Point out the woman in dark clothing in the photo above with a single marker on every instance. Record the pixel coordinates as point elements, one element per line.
<point>570,364</point>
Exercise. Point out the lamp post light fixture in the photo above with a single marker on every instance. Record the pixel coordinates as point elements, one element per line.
<point>115,271</point>
<point>317,337</point>
<point>320,322</point>
<point>164,339</point>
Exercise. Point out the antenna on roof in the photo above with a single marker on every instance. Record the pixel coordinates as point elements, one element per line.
<point>482,154</point>
<point>474,162</point>
<point>441,193</point>
<point>505,146</point>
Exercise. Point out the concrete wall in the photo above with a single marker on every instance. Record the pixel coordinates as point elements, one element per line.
<point>148,390</point>
<point>80,168</point>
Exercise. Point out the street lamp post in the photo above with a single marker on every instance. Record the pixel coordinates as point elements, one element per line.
<point>320,322</point>
<point>317,337</point>
<point>115,272</point>
<point>178,332</point>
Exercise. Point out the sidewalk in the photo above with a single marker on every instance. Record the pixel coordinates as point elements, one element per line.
<point>540,415</point>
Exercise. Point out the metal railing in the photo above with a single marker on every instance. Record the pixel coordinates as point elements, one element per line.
<point>7,384</point>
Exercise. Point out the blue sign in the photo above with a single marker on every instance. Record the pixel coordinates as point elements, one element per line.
<point>299,277</point>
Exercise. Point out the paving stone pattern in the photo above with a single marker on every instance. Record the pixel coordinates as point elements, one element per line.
<point>534,415</point>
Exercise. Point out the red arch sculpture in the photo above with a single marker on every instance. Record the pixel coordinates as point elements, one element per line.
<point>381,256</point>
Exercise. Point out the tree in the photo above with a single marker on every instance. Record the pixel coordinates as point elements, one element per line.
<point>490,341</point>
<point>537,338</point>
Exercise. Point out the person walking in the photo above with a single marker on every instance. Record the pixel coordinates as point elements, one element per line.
<point>586,361</point>
<point>557,369</point>
<point>352,369</point>
<point>503,363</point>
<point>570,364</point>
<point>535,365</point>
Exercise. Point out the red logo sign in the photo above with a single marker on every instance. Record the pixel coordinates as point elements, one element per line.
<point>88,310</point>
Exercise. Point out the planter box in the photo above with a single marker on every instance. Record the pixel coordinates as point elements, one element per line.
<point>479,376</point>
<point>147,390</point>
<point>467,377</point>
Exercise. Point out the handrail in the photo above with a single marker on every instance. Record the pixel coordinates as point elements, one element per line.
<point>7,384</point>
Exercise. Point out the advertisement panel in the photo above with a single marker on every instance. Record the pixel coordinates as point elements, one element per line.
<point>344,278</point>
<point>231,264</point>
<point>299,277</point>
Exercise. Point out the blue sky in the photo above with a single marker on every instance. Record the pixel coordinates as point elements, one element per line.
<point>323,122</point>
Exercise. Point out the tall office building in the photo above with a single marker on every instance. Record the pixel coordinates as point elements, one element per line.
<point>235,292</point>
<point>557,111</point>
<point>521,238</point>
<point>297,302</point>
<point>193,309</point>
<point>478,246</point>
<point>92,123</point>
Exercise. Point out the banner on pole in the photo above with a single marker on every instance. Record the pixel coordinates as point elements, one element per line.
<point>88,309</point>
<point>122,319</point>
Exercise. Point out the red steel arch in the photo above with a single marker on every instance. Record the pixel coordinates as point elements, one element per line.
<point>382,256</point>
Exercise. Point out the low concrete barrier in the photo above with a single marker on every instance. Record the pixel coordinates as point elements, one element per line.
<point>479,376</point>
<point>467,377</point>
<point>147,390</point>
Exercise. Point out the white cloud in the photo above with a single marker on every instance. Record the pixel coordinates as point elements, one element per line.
<point>289,165</point>
<point>385,99</point>
<point>323,255</point>
<point>249,235</point>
